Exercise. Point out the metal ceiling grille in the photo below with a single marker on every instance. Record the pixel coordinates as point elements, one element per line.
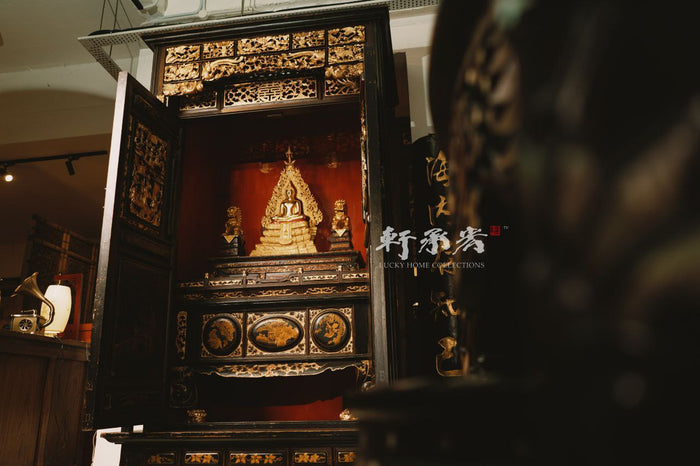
<point>409,4</point>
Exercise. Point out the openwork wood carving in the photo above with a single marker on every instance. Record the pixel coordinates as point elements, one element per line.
<point>146,173</point>
<point>346,53</point>
<point>187,67</point>
<point>202,100</point>
<point>181,72</point>
<point>302,40</point>
<point>346,35</point>
<point>263,44</point>
<point>182,54</point>
<point>241,65</point>
<point>343,79</point>
<point>270,91</point>
<point>221,49</point>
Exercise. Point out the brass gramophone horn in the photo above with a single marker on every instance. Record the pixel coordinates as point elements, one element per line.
<point>30,287</point>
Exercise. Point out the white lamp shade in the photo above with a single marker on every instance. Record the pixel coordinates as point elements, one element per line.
<point>60,297</point>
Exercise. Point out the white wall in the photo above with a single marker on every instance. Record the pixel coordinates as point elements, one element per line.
<point>412,32</point>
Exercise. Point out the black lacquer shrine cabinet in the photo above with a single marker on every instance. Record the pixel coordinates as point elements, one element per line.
<point>225,355</point>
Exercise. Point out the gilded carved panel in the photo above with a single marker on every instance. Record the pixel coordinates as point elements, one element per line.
<point>226,48</point>
<point>301,60</point>
<point>147,174</point>
<point>201,458</point>
<point>346,53</point>
<point>182,88</point>
<point>310,457</point>
<point>274,43</point>
<point>187,66</point>
<point>346,35</point>
<point>343,79</point>
<point>181,72</point>
<point>270,91</point>
<point>257,458</point>
<point>302,40</point>
<point>182,53</point>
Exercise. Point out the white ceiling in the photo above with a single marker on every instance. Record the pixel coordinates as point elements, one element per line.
<point>43,33</point>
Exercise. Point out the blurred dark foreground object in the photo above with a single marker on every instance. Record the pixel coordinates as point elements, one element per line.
<point>577,124</point>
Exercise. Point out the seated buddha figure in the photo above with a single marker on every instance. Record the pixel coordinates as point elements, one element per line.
<point>288,232</point>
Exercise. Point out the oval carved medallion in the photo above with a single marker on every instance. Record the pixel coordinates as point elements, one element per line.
<point>276,334</point>
<point>221,335</point>
<point>331,331</point>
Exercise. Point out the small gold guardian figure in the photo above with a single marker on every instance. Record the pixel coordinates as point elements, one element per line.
<point>340,237</point>
<point>233,232</point>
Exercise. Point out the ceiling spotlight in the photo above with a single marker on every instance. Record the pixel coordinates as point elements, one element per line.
<point>69,166</point>
<point>7,176</point>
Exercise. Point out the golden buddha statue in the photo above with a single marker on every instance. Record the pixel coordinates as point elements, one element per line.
<point>291,207</point>
<point>285,227</point>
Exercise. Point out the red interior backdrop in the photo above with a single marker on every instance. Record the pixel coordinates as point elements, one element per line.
<point>222,168</point>
<point>251,190</point>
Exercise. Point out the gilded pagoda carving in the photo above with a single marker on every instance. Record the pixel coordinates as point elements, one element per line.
<point>286,227</point>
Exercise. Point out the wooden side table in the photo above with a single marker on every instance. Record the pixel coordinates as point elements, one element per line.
<point>42,383</point>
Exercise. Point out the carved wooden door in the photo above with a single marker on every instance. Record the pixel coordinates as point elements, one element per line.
<point>136,262</point>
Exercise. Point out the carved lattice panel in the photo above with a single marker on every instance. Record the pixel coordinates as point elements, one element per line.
<point>270,91</point>
<point>200,101</point>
